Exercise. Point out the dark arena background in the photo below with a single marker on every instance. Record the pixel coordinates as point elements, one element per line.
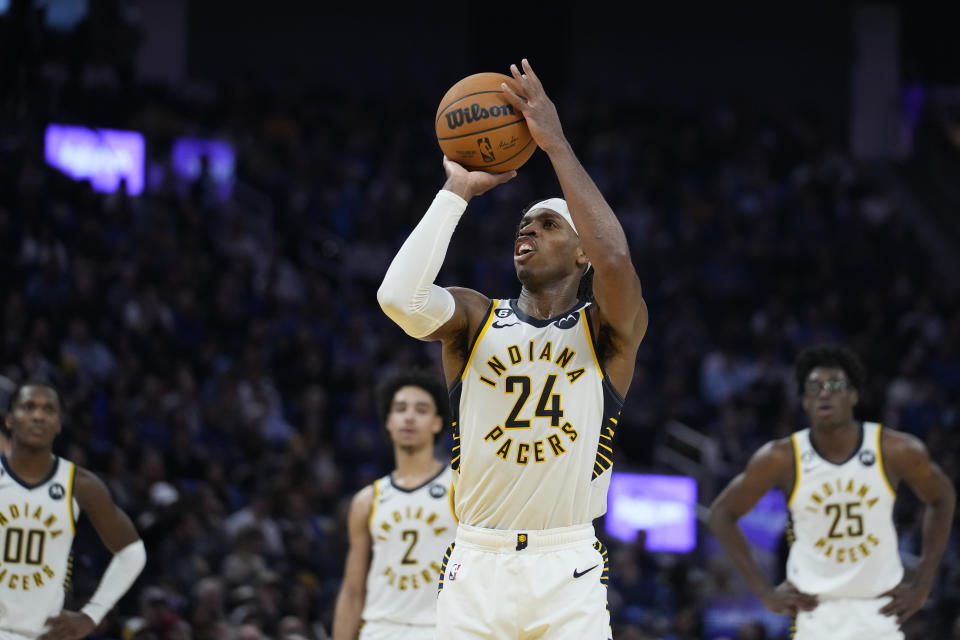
<point>199,199</point>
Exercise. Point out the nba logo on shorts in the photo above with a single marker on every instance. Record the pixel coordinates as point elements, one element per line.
<point>454,569</point>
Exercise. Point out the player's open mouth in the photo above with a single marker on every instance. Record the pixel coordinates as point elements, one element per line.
<point>524,248</point>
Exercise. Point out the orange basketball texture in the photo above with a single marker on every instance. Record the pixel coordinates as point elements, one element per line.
<point>479,129</point>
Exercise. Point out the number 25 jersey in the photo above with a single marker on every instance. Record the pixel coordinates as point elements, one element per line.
<point>845,542</point>
<point>534,423</point>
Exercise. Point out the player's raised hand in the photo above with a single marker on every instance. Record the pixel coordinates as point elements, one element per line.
<point>68,625</point>
<point>538,110</point>
<point>787,600</point>
<point>905,600</point>
<point>466,183</point>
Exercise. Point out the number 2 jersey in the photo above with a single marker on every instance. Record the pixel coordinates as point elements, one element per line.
<point>410,530</point>
<point>844,540</point>
<point>37,525</point>
<point>534,419</point>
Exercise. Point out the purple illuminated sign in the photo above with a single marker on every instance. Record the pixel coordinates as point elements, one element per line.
<point>187,156</point>
<point>662,506</point>
<point>102,156</point>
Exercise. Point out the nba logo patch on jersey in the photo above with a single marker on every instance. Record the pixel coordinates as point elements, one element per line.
<point>57,491</point>
<point>867,457</point>
<point>454,570</point>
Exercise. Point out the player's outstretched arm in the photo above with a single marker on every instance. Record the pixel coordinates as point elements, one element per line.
<point>616,285</point>
<point>408,294</point>
<point>905,457</point>
<point>353,589</point>
<point>129,556</point>
<point>769,467</point>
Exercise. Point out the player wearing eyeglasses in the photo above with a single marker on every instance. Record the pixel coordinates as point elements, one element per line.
<point>844,578</point>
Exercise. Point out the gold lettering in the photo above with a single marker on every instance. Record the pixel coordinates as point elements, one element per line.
<point>436,568</point>
<point>872,501</point>
<point>497,365</point>
<point>538,451</point>
<point>816,498</point>
<point>38,579</point>
<point>820,543</point>
<point>431,518</point>
<point>530,350</point>
<point>853,554</point>
<point>3,574</point>
<point>426,576</point>
<point>522,449</point>
<point>397,517</point>
<point>828,551</point>
<point>872,538</point>
<point>863,549</point>
<point>55,534</point>
<point>438,530</point>
<point>514,352</point>
<point>554,441</point>
<point>545,354</point>
<point>3,520</point>
<point>827,489</point>
<point>568,429</point>
<point>25,582</point>
<point>14,511</point>
<point>13,581</point>
<point>414,581</point>
<point>564,358</point>
<point>849,488</point>
<point>386,526</point>
<point>862,493</point>
<point>46,569</point>
<point>49,521</point>
<point>391,576</point>
<point>504,449</point>
<point>840,554</point>
<point>36,514</point>
<point>494,434</point>
<point>403,583</point>
<point>576,373</point>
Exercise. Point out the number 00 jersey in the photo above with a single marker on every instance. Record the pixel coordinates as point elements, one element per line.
<point>410,529</point>
<point>36,532</point>
<point>534,423</point>
<point>845,543</point>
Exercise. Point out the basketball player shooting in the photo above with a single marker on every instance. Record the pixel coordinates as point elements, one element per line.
<point>844,577</point>
<point>41,497</point>
<point>536,385</point>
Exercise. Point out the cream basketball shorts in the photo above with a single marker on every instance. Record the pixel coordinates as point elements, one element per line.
<point>547,583</point>
<point>847,619</point>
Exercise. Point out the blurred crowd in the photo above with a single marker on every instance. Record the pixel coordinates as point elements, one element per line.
<point>217,355</point>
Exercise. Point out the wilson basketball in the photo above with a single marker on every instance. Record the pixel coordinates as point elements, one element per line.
<point>478,128</point>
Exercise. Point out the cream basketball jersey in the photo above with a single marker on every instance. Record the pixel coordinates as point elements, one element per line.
<point>534,419</point>
<point>36,532</point>
<point>411,530</point>
<point>845,543</point>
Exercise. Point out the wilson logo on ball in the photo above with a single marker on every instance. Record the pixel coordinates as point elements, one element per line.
<point>475,112</point>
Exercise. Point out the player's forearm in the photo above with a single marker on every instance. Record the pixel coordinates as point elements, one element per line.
<point>408,294</point>
<point>724,527</point>
<point>600,232</point>
<point>346,617</point>
<point>937,521</point>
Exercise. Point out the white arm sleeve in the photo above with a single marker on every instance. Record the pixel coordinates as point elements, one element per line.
<point>407,294</point>
<point>123,569</point>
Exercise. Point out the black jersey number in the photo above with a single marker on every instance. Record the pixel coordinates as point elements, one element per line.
<point>414,536</point>
<point>548,406</point>
<point>14,542</point>
<point>854,519</point>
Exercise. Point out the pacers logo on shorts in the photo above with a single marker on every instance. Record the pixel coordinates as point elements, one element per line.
<point>521,541</point>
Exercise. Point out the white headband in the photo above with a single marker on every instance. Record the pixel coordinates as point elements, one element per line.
<point>558,206</point>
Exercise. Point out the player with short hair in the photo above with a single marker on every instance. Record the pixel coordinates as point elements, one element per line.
<point>844,577</point>
<point>400,525</point>
<point>537,385</point>
<point>41,497</point>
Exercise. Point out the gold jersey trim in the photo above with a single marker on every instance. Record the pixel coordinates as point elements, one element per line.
<point>73,517</point>
<point>473,348</point>
<point>373,504</point>
<point>796,464</point>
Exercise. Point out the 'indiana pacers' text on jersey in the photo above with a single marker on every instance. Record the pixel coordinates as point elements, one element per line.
<point>845,542</point>
<point>410,529</point>
<point>534,423</point>
<point>36,533</point>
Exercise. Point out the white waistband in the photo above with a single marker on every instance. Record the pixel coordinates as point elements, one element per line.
<point>519,540</point>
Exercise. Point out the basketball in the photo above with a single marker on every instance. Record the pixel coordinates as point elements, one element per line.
<point>478,128</point>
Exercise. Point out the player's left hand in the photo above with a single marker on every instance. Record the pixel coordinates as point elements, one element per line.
<point>905,600</point>
<point>538,110</point>
<point>68,625</point>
